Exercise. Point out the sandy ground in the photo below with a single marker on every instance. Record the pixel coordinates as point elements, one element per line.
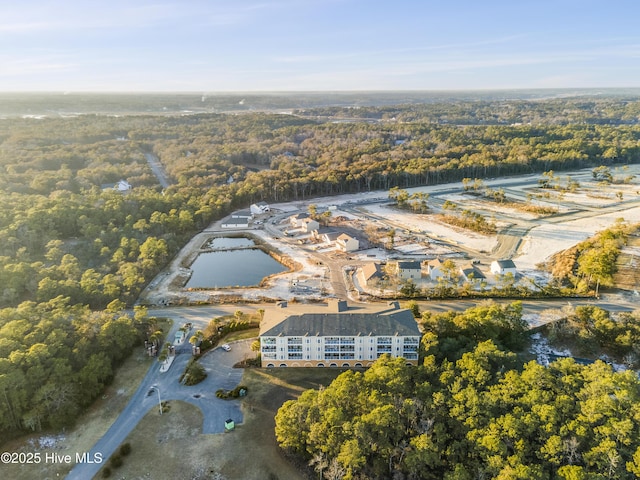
<point>419,235</point>
<point>542,242</point>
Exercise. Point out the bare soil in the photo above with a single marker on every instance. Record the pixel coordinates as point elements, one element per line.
<point>628,265</point>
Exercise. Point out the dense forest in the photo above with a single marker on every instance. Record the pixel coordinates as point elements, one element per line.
<point>471,410</point>
<point>55,359</point>
<point>67,237</point>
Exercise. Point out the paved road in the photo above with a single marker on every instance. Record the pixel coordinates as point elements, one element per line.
<point>157,169</point>
<point>220,374</point>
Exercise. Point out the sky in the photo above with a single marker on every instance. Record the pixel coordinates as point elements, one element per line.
<point>317,45</point>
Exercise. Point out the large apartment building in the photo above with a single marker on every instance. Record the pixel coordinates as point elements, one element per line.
<point>337,335</point>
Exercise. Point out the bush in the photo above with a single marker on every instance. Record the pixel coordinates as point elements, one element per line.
<point>106,472</point>
<point>235,393</point>
<point>116,461</point>
<point>193,374</point>
<point>125,449</point>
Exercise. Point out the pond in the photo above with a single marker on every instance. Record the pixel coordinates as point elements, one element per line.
<point>221,243</point>
<point>232,268</point>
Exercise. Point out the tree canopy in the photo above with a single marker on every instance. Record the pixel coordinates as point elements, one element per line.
<point>472,418</point>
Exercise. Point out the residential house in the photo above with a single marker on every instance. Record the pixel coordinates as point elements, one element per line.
<point>347,243</point>
<point>309,225</point>
<point>502,267</point>
<point>470,273</point>
<point>409,270</point>
<point>370,272</point>
<point>296,220</point>
<point>260,208</point>
<point>434,269</point>
<point>336,335</point>
<point>123,186</point>
<point>329,237</point>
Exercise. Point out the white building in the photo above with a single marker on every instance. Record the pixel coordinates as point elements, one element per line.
<point>296,220</point>
<point>434,269</point>
<point>309,225</point>
<point>502,267</point>
<point>409,270</point>
<point>260,208</point>
<point>337,335</point>
<point>242,214</point>
<point>347,243</point>
<point>123,186</point>
<point>235,223</point>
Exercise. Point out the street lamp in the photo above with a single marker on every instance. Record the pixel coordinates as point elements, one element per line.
<point>155,387</point>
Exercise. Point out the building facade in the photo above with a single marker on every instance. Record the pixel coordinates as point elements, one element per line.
<point>337,335</point>
<point>409,270</point>
<point>347,243</point>
<point>502,267</point>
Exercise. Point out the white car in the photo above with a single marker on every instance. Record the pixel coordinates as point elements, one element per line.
<point>226,347</point>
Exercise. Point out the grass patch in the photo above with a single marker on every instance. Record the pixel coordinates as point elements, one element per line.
<point>242,335</point>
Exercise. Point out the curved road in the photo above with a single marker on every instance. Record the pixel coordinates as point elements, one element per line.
<point>220,374</point>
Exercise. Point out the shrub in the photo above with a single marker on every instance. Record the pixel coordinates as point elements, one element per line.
<point>193,374</point>
<point>125,449</point>
<point>116,461</point>
<point>106,472</point>
<point>235,393</point>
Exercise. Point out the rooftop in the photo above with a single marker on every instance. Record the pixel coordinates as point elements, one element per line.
<point>341,320</point>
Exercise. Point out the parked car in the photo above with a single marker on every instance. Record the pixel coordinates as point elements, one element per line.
<point>226,347</point>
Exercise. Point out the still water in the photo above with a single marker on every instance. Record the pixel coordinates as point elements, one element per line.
<point>241,268</point>
<point>219,243</point>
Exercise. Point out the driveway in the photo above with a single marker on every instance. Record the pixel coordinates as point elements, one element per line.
<point>220,374</point>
